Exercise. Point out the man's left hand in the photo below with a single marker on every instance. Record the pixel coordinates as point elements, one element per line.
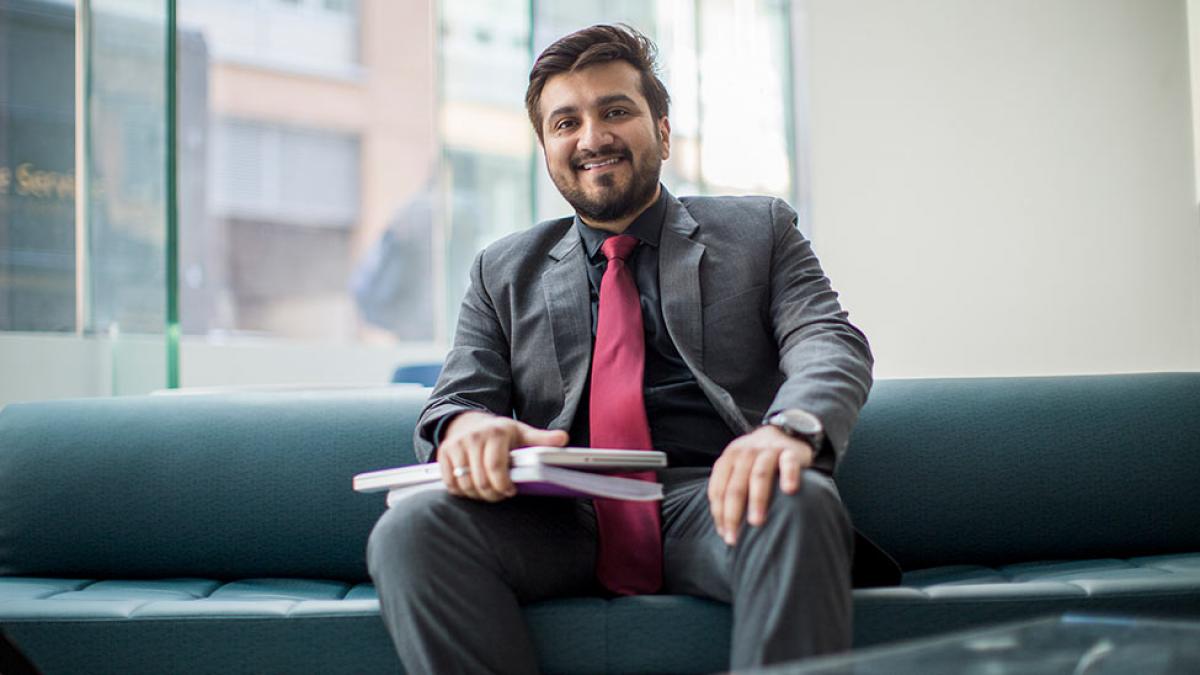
<point>744,475</point>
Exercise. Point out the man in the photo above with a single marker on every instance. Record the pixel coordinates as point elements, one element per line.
<point>703,327</point>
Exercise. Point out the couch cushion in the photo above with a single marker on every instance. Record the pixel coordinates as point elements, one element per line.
<point>947,598</point>
<point>963,471</point>
<point>667,634</point>
<point>214,486</point>
<point>344,643</point>
<point>994,471</point>
<point>278,624</point>
<point>262,625</point>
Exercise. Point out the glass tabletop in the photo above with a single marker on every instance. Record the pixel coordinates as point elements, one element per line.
<point>1070,644</point>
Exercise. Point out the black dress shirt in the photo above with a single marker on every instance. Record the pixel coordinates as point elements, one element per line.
<point>683,423</point>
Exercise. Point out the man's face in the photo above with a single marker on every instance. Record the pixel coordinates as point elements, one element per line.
<point>604,149</point>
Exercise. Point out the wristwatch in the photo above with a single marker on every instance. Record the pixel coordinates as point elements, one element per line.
<point>799,424</point>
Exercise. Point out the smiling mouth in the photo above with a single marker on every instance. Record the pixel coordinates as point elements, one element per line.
<point>599,164</point>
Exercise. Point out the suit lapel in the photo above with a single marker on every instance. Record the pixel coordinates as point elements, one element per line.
<point>679,259</point>
<point>679,278</point>
<point>569,305</point>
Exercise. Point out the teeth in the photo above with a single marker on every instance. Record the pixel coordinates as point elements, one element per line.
<point>592,165</point>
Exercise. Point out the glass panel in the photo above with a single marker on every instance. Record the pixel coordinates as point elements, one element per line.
<point>320,36</point>
<point>337,195</point>
<point>486,139</point>
<point>37,166</point>
<point>127,160</point>
<point>126,114</point>
<point>108,288</point>
<point>309,177</point>
<point>744,97</point>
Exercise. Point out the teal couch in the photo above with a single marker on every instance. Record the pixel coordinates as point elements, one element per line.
<point>219,533</point>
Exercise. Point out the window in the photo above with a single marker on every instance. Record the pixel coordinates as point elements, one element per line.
<point>291,176</point>
<point>339,165</point>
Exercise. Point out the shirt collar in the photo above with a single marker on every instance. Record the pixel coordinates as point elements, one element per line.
<point>647,227</point>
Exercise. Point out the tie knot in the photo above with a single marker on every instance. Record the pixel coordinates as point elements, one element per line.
<point>619,246</point>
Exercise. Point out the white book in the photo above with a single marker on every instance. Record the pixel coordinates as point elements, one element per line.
<point>552,481</point>
<point>387,479</point>
<point>589,459</point>
<point>583,459</point>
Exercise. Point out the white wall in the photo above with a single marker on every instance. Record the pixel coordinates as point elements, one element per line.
<point>1005,187</point>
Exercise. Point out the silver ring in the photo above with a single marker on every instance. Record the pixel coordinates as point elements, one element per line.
<point>461,471</point>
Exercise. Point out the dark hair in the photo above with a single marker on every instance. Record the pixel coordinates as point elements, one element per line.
<point>588,47</point>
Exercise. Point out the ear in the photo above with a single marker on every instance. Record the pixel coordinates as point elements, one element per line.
<point>664,137</point>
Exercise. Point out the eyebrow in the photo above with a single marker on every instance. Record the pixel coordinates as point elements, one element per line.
<point>600,102</point>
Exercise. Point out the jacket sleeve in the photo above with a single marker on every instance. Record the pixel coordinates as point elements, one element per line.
<point>477,375</point>
<point>825,359</point>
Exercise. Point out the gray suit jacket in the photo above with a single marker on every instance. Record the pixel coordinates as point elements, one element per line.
<point>743,297</point>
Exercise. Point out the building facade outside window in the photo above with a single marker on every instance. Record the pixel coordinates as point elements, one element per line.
<point>339,162</point>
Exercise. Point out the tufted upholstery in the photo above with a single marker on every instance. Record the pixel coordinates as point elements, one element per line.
<point>951,597</point>
<point>24,597</point>
<point>219,534</point>
<point>1081,577</point>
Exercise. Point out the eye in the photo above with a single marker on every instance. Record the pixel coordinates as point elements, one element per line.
<point>564,124</point>
<point>617,112</point>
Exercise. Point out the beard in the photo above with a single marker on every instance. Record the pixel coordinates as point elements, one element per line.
<point>613,203</point>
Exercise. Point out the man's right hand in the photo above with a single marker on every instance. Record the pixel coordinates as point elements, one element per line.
<point>477,445</point>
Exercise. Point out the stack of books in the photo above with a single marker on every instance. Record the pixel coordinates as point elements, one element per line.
<point>540,470</point>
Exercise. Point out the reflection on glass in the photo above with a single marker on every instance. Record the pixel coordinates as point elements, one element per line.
<point>307,152</point>
<point>326,192</point>
<point>37,166</point>
<point>320,36</point>
<point>127,162</point>
<point>115,299</point>
<point>486,141</point>
<point>126,204</point>
<point>126,182</point>
<point>393,280</point>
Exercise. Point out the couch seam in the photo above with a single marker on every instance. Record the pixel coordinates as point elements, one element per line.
<point>1026,599</point>
<point>181,619</point>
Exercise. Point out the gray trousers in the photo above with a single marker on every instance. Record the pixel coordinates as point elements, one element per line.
<point>452,573</point>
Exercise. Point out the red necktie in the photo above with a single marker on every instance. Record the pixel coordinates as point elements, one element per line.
<point>630,548</point>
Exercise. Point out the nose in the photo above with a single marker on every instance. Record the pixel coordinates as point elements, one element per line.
<point>594,135</point>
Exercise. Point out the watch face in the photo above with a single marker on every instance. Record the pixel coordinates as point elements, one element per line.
<point>799,421</point>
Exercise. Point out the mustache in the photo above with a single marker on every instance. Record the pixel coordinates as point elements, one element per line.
<point>607,151</point>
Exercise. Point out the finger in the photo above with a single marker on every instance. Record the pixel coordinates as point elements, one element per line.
<point>443,462</point>
<point>479,474</point>
<point>534,436</point>
<point>736,492</point>
<point>717,482</point>
<point>495,464</point>
<point>465,483</point>
<point>762,481</point>
<point>450,455</point>
<point>791,465</point>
